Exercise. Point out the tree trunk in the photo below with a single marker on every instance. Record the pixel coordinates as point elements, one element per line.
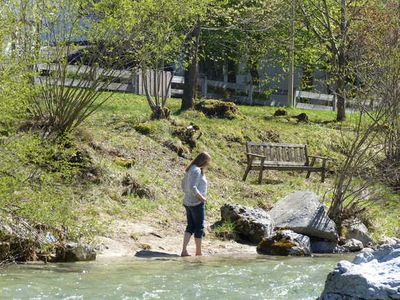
<point>191,74</point>
<point>342,64</point>
<point>341,101</point>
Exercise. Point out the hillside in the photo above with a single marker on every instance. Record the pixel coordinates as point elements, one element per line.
<point>120,173</point>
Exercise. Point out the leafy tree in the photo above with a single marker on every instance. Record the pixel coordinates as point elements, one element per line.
<point>376,65</point>
<point>333,24</point>
<point>233,31</point>
<point>154,34</point>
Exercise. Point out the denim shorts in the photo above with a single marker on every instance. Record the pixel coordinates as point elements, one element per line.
<point>195,220</point>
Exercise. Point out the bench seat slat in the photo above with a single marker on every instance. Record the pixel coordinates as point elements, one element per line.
<point>278,163</point>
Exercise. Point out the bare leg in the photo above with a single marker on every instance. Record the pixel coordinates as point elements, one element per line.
<point>186,239</point>
<point>198,247</point>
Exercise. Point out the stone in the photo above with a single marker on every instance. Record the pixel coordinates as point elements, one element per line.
<point>304,213</point>
<point>389,241</point>
<point>251,224</point>
<point>355,229</point>
<point>325,246</point>
<point>72,252</point>
<point>285,243</point>
<point>373,274</point>
<point>353,245</point>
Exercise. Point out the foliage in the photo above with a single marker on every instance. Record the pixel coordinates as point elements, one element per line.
<point>153,33</point>
<point>377,69</point>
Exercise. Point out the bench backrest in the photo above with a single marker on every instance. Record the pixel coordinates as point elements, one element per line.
<point>279,152</point>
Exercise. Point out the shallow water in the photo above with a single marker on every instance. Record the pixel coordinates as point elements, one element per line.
<point>171,278</point>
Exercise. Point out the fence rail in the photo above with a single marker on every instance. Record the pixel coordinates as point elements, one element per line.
<point>249,94</point>
<point>159,82</point>
<point>114,80</point>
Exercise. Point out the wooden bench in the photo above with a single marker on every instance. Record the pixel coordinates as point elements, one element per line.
<point>285,157</point>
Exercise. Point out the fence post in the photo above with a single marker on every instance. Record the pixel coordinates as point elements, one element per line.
<point>250,92</point>
<point>334,102</point>
<point>169,75</point>
<point>204,87</point>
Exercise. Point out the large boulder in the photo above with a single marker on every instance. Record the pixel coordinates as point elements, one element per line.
<point>371,275</point>
<point>304,213</point>
<point>251,224</point>
<point>355,229</point>
<point>285,243</point>
<point>72,252</point>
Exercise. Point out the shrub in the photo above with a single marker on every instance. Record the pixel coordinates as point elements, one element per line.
<point>218,109</point>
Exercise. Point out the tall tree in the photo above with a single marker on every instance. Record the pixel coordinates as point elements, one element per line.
<point>232,31</point>
<point>332,23</point>
<point>154,33</point>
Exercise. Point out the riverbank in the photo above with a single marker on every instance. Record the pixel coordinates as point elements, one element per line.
<point>151,240</point>
<point>118,176</point>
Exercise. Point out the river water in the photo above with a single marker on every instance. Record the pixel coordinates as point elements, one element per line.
<point>171,278</point>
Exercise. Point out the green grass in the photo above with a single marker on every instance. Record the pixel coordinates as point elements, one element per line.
<point>122,129</point>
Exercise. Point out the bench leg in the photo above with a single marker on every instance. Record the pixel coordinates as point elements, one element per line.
<point>323,173</point>
<point>311,165</point>
<point>261,170</point>
<point>246,173</point>
<point>260,176</point>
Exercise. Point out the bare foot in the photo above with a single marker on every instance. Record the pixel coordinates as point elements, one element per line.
<point>183,254</point>
<point>199,254</point>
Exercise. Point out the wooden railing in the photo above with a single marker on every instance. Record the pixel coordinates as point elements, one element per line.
<point>315,101</point>
<point>133,82</point>
<point>114,80</point>
<point>248,94</point>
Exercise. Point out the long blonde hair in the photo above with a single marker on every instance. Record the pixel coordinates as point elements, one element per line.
<point>200,161</point>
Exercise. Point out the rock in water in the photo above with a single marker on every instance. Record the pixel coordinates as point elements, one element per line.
<point>252,224</point>
<point>304,213</point>
<point>372,275</point>
<point>353,245</point>
<point>72,252</point>
<point>284,243</point>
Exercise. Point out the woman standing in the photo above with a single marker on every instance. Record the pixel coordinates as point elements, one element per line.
<point>194,185</point>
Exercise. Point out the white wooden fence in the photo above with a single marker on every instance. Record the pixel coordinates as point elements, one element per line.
<point>247,93</point>
<point>159,82</point>
<point>315,101</point>
<point>114,80</point>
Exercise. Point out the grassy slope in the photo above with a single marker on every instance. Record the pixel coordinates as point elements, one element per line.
<point>38,182</point>
<point>160,169</point>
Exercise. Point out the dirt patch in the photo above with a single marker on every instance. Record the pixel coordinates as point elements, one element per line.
<point>162,239</point>
<point>235,139</point>
<point>269,135</point>
<point>303,117</point>
<point>133,187</point>
<point>218,109</point>
<point>177,148</point>
<point>188,134</point>
<point>280,112</point>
